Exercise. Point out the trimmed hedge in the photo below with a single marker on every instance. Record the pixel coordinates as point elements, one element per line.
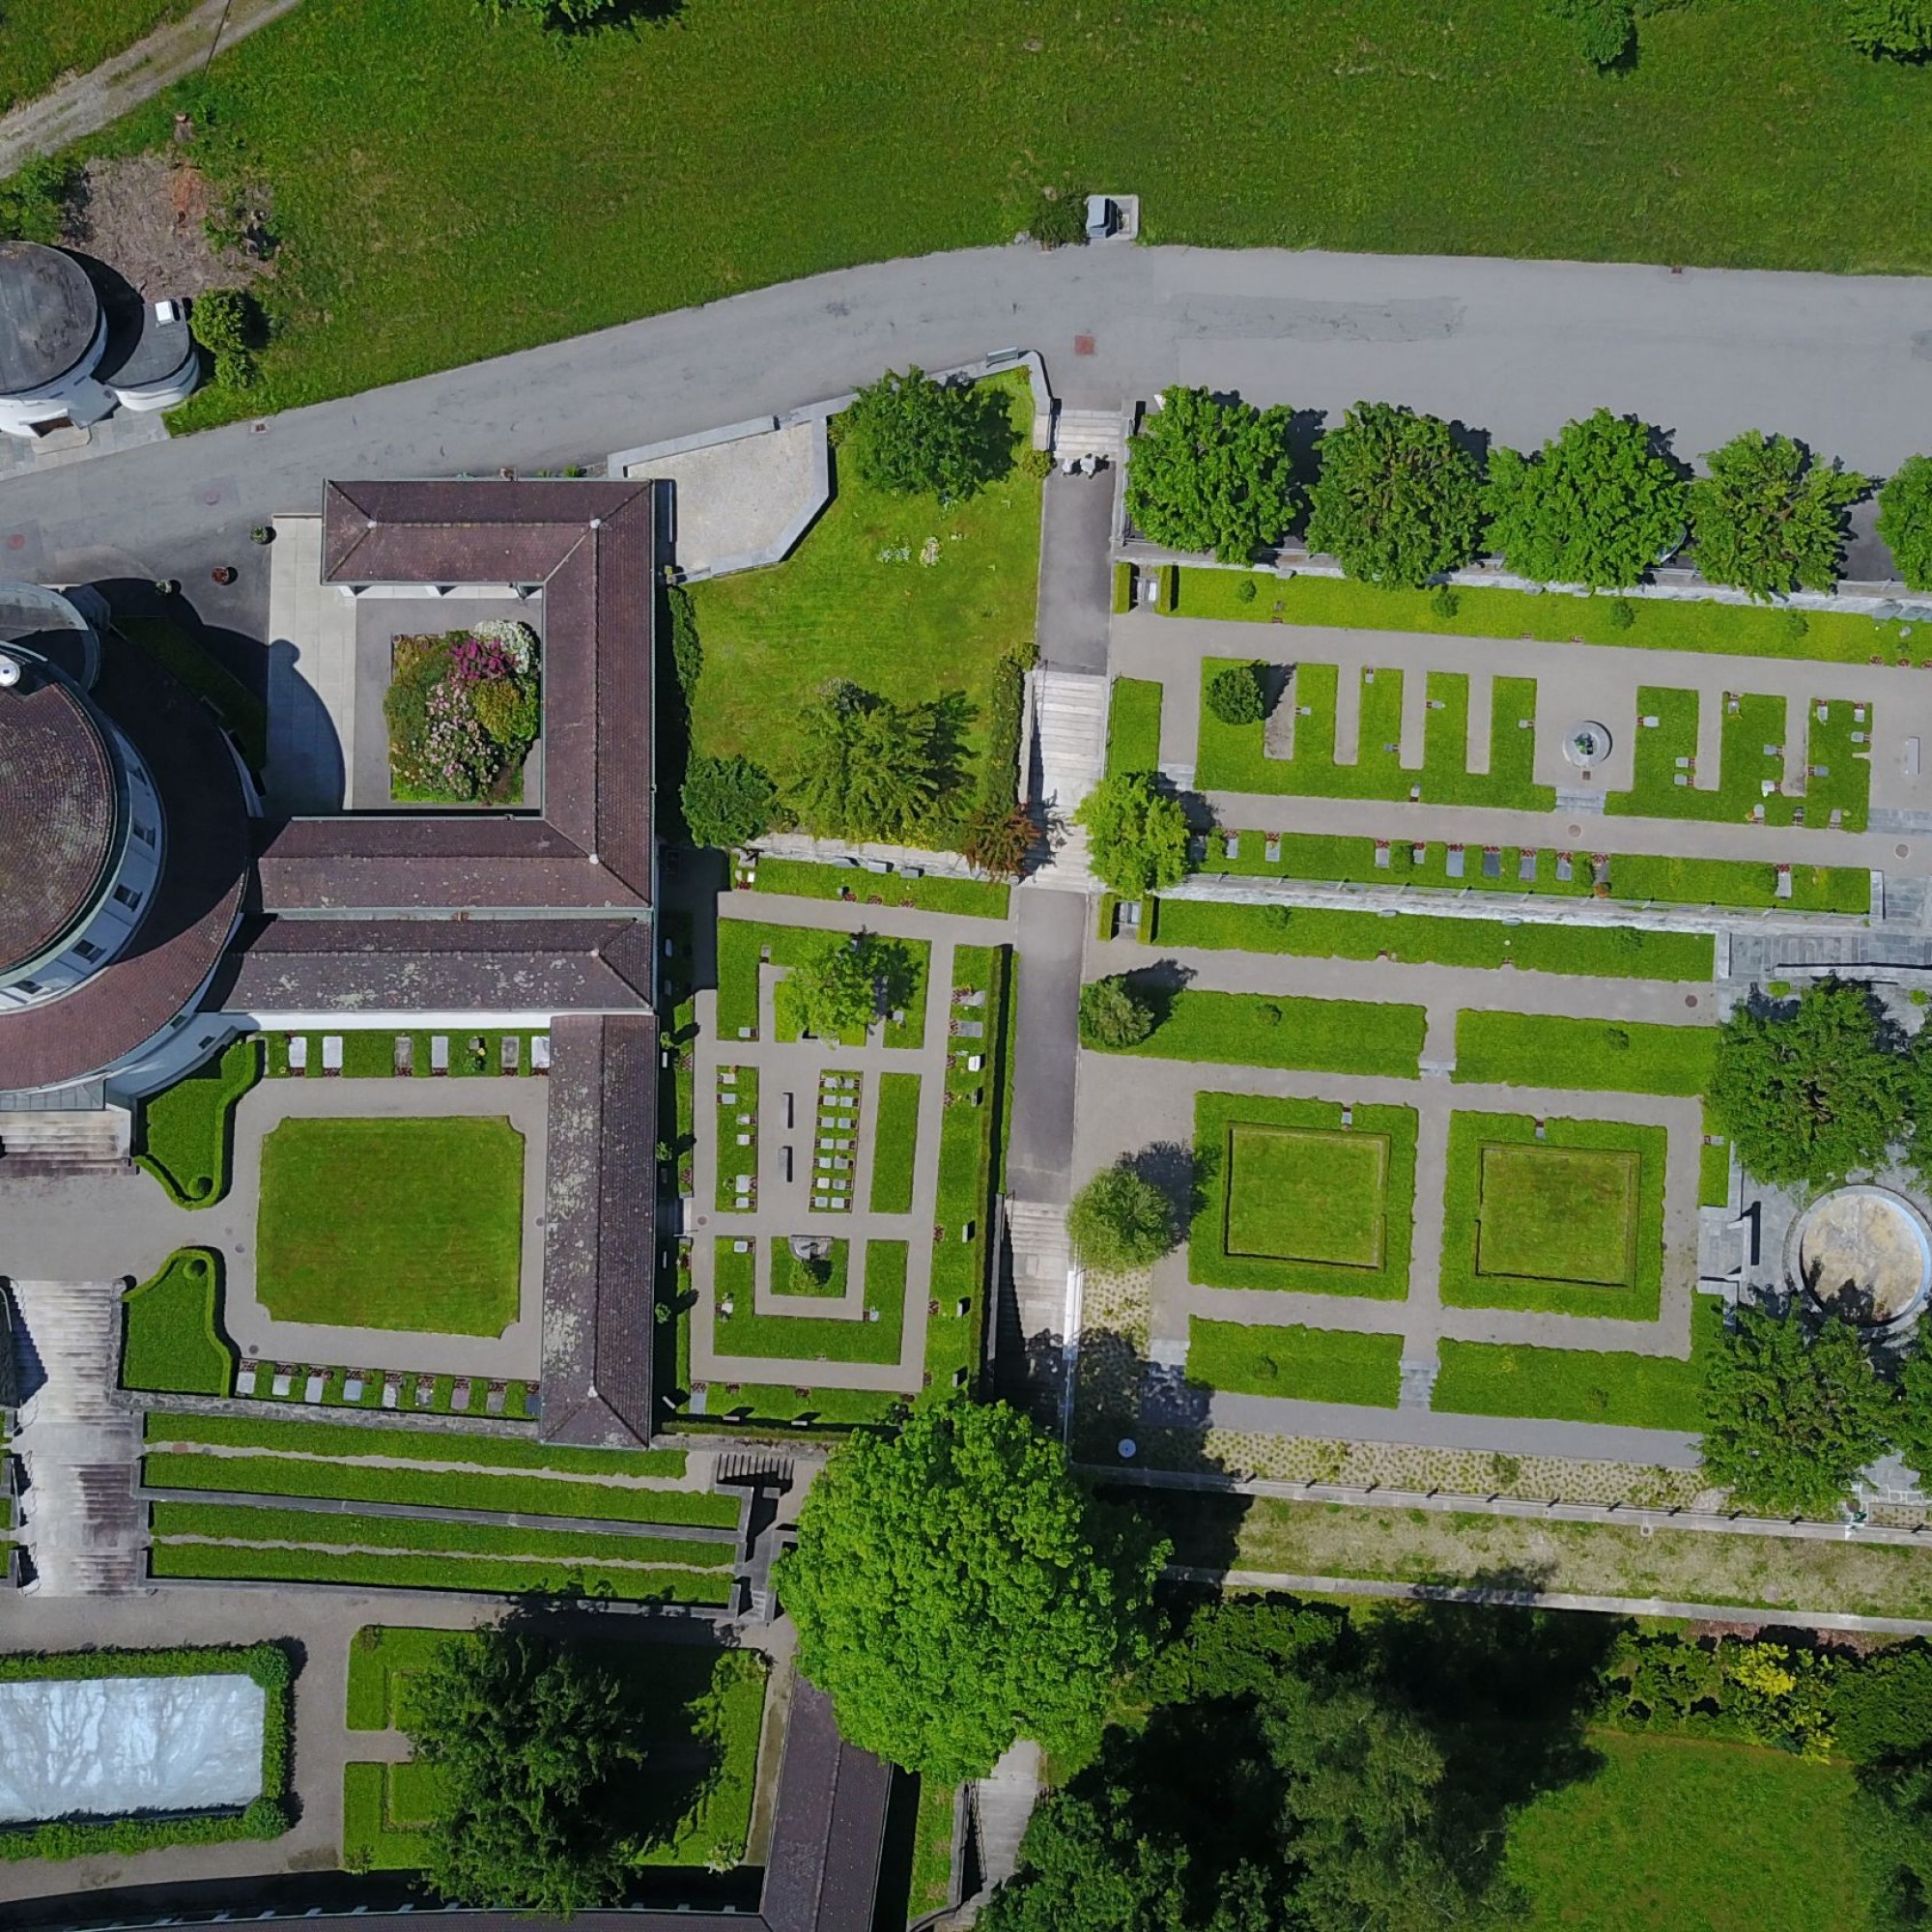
<point>188,1133</point>
<point>268,1817</point>
<point>170,1335</point>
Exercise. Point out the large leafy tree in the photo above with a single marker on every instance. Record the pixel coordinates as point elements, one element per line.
<point>955,1587</point>
<point>535,1758</point>
<point>1792,1413</point>
<point>1812,1093</point>
<point>1208,475</point>
<point>1905,520</point>
<point>1597,506</point>
<point>1899,28</point>
<point>727,800</point>
<point>1136,834</point>
<point>914,437</point>
<point>1398,500</point>
<point>845,985</point>
<point>1120,1220</point>
<point>867,768</point>
<point>1768,519</point>
<point>1112,1014</point>
<point>1911,1423</point>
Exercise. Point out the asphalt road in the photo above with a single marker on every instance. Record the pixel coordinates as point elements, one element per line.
<point>1513,348</point>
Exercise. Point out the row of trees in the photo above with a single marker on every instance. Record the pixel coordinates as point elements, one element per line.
<point>1398,500</point>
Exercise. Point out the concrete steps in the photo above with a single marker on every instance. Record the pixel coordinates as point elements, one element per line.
<point>1001,1805</point>
<point>93,1140</point>
<point>1418,1380</point>
<point>1100,432</point>
<point>1070,757</point>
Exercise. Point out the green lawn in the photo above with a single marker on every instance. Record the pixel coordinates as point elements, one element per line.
<point>1539,1224</point>
<point>1308,1194</point>
<point>793,1280</point>
<point>1608,1056</point>
<point>172,1337</point>
<point>372,1056</point>
<point>1425,939</point>
<point>736,1119</point>
<point>810,1338</point>
<point>854,600</point>
<point>1582,1384</point>
<point>801,878</point>
<point>1738,630</point>
<point>1312,1036</point>
<point>187,1131</point>
<point>1308,1364</point>
<point>1679,1833</point>
<point>931,1849</point>
<point>1271,1172</point>
<point>435,1241</point>
<point>895,1143</point>
<point>1133,725</point>
<point>41,40</point>
<point>741,945</point>
<point>1723,882</point>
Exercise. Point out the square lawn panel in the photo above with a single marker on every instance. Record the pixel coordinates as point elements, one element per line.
<point>1558,1214</point>
<point>1301,1194</point>
<point>1522,1227</point>
<point>392,1223</point>
<point>1289,1198</point>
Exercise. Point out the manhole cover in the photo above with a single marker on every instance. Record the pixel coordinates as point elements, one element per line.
<point>1689,999</point>
<point>1901,851</point>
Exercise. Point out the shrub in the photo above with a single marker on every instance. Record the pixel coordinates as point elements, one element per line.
<point>1137,834</point>
<point>996,839</point>
<point>727,800</point>
<point>1112,1014</point>
<point>686,653</point>
<point>462,711</point>
<point>34,204</point>
<point>1905,521</point>
<point>1596,506</point>
<point>1000,767</point>
<point>1622,613</point>
<point>913,436</point>
<point>1239,694</point>
<point>1445,603</point>
<point>1058,219</point>
<point>1397,501</point>
<point>1120,1221</point>
<point>222,320</point>
<point>1206,475</point>
<point>1245,592</point>
<point>1036,463</point>
<point>171,1330</point>
<point>1768,519</point>
<point>1900,29</point>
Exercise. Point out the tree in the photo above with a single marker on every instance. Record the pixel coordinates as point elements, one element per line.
<point>1112,1014</point>
<point>1120,1221</point>
<point>1905,520</point>
<point>844,985</point>
<point>913,436</point>
<point>571,16</point>
<point>1136,834</point>
<point>1791,1414</point>
<point>955,1587</point>
<point>1238,693</point>
<point>1397,501</point>
<point>1597,506</point>
<point>867,768</point>
<point>222,322</point>
<point>1768,519</point>
<point>534,1757</point>
<point>1206,475</point>
<point>727,800</point>
<point>996,838</point>
<point>1812,1092</point>
<point>1912,1421</point>
<point>1901,29</point>
<point>1084,1867</point>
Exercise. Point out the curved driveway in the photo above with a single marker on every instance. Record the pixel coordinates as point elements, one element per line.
<point>1508,347</point>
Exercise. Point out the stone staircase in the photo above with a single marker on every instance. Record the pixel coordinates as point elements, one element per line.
<point>1069,757</point>
<point>1097,433</point>
<point>95,1139</point>
<point>1418,1380</point>
<point>1032,1312</point>
<point>1001,1805</point>
<point>82,1525</point>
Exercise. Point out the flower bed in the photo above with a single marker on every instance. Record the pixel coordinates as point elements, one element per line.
<point>463,710</point>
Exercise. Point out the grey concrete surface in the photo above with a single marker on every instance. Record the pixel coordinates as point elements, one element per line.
<point>1052,929</point>
<point>1076,580</point>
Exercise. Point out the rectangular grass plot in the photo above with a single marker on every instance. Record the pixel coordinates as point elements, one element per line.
<point>1308,1195</point>
<point>1554,1213</point>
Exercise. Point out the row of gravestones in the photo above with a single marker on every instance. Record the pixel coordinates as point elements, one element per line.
<point>281,1379</point>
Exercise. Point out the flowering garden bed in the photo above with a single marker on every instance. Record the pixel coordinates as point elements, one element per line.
<point>463,712</point>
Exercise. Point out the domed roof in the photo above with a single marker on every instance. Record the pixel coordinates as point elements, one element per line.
<point>49,315</point>
<point>60,812</point>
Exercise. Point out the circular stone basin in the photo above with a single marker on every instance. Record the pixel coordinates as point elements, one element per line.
<point>1863,1253</point>
<point>1586,743</point>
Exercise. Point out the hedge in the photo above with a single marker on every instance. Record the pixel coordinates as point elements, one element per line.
<point>806,879</point>
<point>188,1133</point>
<point>170,1335</point>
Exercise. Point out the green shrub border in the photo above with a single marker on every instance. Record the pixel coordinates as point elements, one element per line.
<point>268,1817</point>
<point>238,1069</point>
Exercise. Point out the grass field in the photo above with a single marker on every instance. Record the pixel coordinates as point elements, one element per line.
<point>1248,1148</point>
<point>1604,1056</point>
<point>931,1849</point>
<point>41,40</point>
<point>1681,1832</point>
<point>372,1056</point>
<point>187,1131</point>
<point>1582,1384</point>
<point>1571,1224</point>
<point>1386,125</point>
<point>1133,725</point>
<point>801,878</point>
<point>172,1337</point>
<point>854,600</point>
<point>809,1338</point>
<point>1310,1364</point>
<point>435,1242</point>
<point>1311,1036</point>
<point>895,1143</point>
<point>1426,939</point>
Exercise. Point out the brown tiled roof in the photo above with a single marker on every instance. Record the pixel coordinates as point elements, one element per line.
<point>59,814</point>
<point>193,909</point>
<point>600,1231</point>
<point>591,547</point>
<point>430,965</point>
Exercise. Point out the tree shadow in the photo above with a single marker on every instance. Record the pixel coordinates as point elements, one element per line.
<point>614,17</point>
<point>1157,985</point>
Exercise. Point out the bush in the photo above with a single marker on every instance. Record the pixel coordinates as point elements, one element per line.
<point>913,436</point>
<point>727,800</point>
<point>1900,29</point>
<point>463,712</point>
<point>1596,506</point>
<point>1120,1221</point>
<point>686,653</point>
<point>1058,219</point>
<point>1137,834</point>
<point>996,839</point>
<point>1000,767</point>
<point>1113,1016</point>
<point>187,1130</point>
<point>1768,520</point>
<point>1622,613</point>
<point>1905,521</point>
<point>1245,592</point>
<point>1397,501</point>
<point>1206,475</point>
<point>1445,603</point>
<point>34,204</point>
<point>223,322</point>
<point>1239,694</point>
